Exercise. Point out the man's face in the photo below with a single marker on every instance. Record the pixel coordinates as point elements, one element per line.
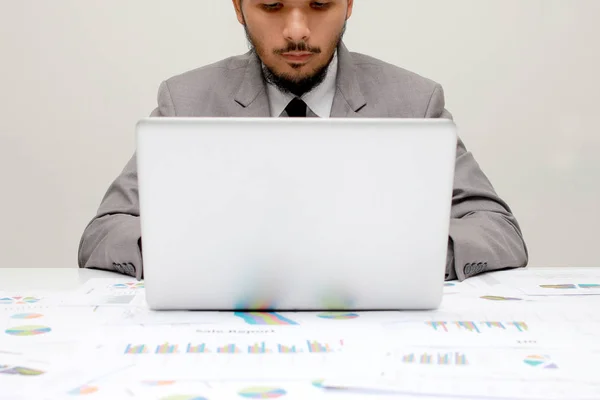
<point>295,39</point>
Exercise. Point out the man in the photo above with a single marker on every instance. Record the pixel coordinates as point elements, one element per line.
<point>298,66</point>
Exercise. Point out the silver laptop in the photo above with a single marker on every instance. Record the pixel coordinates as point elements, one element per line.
<point>295,214</point>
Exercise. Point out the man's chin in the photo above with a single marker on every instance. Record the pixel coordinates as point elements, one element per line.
<point>295,80</point>
<point>298,71</point>
<point>297,67</point>
<point>289,68</point>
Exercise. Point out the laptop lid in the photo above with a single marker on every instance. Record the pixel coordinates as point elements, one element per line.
<point>295,214</point>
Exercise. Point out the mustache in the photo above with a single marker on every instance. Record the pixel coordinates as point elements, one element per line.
<point>300,46</point>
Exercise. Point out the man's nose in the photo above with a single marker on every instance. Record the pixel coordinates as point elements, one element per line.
<point>296,27</point>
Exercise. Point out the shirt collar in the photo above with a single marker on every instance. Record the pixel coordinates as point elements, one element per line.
<point>319,100</point>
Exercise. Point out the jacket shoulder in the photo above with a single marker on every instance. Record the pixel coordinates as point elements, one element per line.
<point>203,75</point>
<point>406,93</point>
<point>199,91</point>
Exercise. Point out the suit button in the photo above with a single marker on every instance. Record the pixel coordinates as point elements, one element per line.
<point>129,269</point>
<point>474,269</point>
<point>468,270</point>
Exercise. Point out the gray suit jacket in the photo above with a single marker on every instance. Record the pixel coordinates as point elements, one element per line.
<point>484,235</point>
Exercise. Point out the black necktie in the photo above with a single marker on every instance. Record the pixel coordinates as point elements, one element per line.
<point>296,108</point>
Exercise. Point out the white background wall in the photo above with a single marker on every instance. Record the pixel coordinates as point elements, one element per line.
<point>521,78</point>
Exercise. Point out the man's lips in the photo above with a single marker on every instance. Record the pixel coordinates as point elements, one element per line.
<point>298,57</point>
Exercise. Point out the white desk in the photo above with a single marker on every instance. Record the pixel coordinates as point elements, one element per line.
<point>48,278</point>
<point>543,347</point>
<point>72,278</point>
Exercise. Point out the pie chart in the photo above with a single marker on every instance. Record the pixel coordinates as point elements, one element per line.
<point>28,330</point>
<point>18,300</point>
<point>158,383</point>
<point>589,285</point>
<point>129,285</point>
<point>21,371</point>
<point>318,383</point>
<point>27,316</point>
<point>262,393</point>
<point>83,390</point>
<point>500,298</point>
<point>540,361</point>
<point>559,286</point>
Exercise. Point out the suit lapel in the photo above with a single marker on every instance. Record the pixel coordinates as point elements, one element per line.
<point>251,98</point>
<point>348,100</point>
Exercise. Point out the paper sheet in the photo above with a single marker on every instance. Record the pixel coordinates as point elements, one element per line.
<point>102,342</point>
<point>562,287</point>
<point>110,292</point>
<point>256,352</point>
<point>24,301</point>
<point>483,373</point>
<point>38,377</point>
<point>481,389</point>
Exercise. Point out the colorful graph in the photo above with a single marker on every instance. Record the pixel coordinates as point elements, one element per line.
<point>129,285</point>
<point>167,349</point>
<point>158,383</point>
<point>183,397</point>
<point>316,347</point>
<point>261,392</point>
<point>408,358</point>
<point>258,348</point>
<point>264,318</point>
<point>438,325</point>
<point>338,315</point>
<point>201,348</point>
<point>435,359</point>
<point>138,349</point>
<point>572,286</point>
<point>27,316</point>
<point>287,349</point>
<point>18,300</point>
<point>478,327</point>
<point>425,358</point>
<point>229,349</point>
<point>21,371</point>
<point>318,383</point>
<point>28,330</point>
<point>263,347</point>
<point>500,298</point>
<point>540,361</point>
<point>468,325</point>
<point>521,326</point>
<point>83,390</point>
<point>559,286</point>
<point>589,285</point>
<point>491,324</point>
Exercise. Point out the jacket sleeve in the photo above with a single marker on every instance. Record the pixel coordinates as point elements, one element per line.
<point>484,234</point>
<point>112,240</point>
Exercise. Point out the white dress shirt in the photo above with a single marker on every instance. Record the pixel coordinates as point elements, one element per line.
<point>319,100</point>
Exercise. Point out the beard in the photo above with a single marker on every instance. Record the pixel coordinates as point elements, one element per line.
<point>287,83</point>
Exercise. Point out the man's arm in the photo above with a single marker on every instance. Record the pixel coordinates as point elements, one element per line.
<point>112,240</point>
<point>484,234</point>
